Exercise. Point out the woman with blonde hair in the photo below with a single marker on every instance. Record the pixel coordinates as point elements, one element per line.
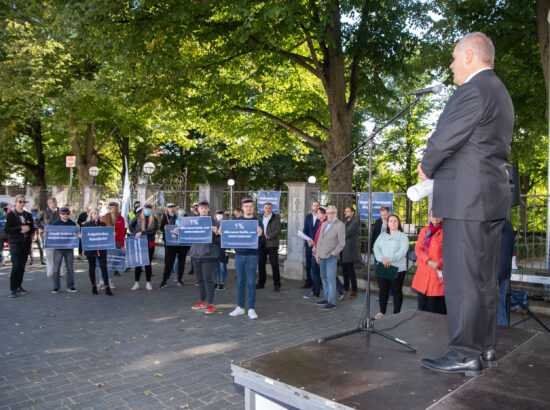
<point>113,218</point>
<point>145,224</point>
<point>95,221</point>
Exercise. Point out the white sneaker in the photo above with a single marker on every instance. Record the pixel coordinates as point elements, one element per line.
<point>379,316</point>
<point>252,314</point>
<point>135,287</point>
<point>237,312</point>
<point>148,286</point>
<point>112,285</point>
<point>100,285</point>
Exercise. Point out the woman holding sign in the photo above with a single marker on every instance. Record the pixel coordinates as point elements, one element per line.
<point>145,224</point>
<point>204,257</point>
<point>113,218</point>
<point>94,221</point>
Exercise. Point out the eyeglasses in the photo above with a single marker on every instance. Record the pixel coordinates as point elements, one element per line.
<point>22,202</point>
<point>64,213</point>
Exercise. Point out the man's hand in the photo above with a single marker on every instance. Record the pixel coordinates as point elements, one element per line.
<point>266,237</point>
<point>317,260</point>
<point>138,235</point>
<point>421,173</point>
<point>25,228</point>
<point>310,244</point>
<point>260,230</point>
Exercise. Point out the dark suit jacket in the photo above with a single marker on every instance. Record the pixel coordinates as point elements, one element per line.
<point>273,230</point>
<point>310,228</point>
<point>467,155</point>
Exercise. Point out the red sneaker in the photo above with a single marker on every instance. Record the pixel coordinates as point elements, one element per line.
<point>209,310</point>
<point>199,305</point>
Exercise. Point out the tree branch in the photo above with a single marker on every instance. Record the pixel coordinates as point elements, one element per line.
<point>106,140</point>
<point>282,124</point>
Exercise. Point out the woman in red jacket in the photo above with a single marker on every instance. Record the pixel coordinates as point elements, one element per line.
<point>113,218</point>
<point>428,280</point>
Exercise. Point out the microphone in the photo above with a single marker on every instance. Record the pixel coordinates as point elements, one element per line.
<point>436,89</point>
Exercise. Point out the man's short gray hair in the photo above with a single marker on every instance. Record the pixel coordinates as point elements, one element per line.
<point>482,45</point>
<point>332,207</point>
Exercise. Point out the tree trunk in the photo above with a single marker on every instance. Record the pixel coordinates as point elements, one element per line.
<point>87,159</point>
<point>543,7</point>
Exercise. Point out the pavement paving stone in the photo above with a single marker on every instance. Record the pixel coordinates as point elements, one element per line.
<point>145,349</point>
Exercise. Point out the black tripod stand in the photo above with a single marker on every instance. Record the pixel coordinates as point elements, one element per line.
<point>510,295</point>
<point>366,323</point>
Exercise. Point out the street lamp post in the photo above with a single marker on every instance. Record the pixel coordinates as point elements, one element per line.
<point>230,182</point>
<point>312,179</point>
<point>149,168</point>
<point>94,172</point>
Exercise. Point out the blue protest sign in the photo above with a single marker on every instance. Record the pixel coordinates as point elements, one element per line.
<point>98,238</point>
<point>61,237</point>
<point>240,234</point>
<point>379,199</point>
<point>34,215</point>
<point>194,229</point>
<point>2,222</point>
<point>116,260</point>
<point>137,252</point>
<point>171,237</point>
<point>274,197</point>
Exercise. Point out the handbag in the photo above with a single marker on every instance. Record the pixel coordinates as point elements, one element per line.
<point>386,273</point>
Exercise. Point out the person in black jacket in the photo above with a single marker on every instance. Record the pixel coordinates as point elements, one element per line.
<point>171,252</point>
<point>80,221</point>
<point>20,229</point>
<point>145,224</point>
<point>205,258</point>
<point>95,221</point>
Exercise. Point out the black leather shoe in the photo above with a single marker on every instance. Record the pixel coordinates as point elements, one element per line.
<point>258,286</point>
<point>489,357</point>
<point>445,365</point>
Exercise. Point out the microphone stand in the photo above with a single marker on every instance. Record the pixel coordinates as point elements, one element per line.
<point>366,323</point>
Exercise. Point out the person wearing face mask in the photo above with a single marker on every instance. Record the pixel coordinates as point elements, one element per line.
<point>20,229</point>
<point>220,274</point>
<point>3,234</point>
<point>171,252</point>
<point>145,224</point>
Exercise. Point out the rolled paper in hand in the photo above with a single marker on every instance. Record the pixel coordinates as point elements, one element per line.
<point>420,190</point>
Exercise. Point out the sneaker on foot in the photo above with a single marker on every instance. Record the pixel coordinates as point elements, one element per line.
<point>209,310</point>
<point>13,294</point>
<point>322,302</point>
<point>329,306</point>
<point>237,311</point>
<point>135,287</point>
<point>179,282</point>
<point>112,285</point>
<point>221,286</point>
<point>56,290</point>
<point>21,291</point>
<point>163,285</point>
<point>72,290</point>
<point>198,305</point>
<point>101,285</point>
<point>252,314</point>
<point>148,286</point>
<point>342,296</point>
<point>196,283</point>
<point>353,295</point>
<point>380,315</point>
<point>310,295</point>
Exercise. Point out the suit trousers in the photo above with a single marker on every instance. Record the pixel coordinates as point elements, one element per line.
<point>470,264</point>
<point>309,278</point>
<point>273,253</point>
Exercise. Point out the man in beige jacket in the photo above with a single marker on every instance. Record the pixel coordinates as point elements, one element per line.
<point>332,240</point>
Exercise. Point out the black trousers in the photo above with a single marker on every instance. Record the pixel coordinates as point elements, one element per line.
<point>19,252</point>
<point>384,294</point>
<point>170,258</point>
<point>471,252</point>
<point>348,269</point>
<point>434,304</point>
<point>148,269</point>
<point>273,253</point>
<point>102,264</point>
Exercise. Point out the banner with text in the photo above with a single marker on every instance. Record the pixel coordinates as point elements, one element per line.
<point>61,237</point>
<point>98,238</point>
<point>172,238</point>
<point>137,252</point>
<point>240,234</point>
<point>379,199</point>
<point>195,229</point>
<point>2,222</point>
<point>116,260</point>
<point>273,197</point>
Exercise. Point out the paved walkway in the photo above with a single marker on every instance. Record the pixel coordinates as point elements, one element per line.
<point>145,349</point>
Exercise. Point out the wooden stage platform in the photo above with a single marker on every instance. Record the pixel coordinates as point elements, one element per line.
<point>367,371</point>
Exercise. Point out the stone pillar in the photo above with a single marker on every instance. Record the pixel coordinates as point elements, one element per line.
<point>61,193</point>
<point>145,193</point>
<point>300,197</point>
<point>38,195</point>
<point>213,193</point>
<point>92,195</point>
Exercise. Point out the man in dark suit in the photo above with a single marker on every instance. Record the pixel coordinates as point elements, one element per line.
<point>467,156</point>
<point>311,224</point>
<point>272,229</point>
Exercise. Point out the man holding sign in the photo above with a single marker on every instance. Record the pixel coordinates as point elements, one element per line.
<point>20,229</point>
<point>60,254</point>
<point>246,263</point>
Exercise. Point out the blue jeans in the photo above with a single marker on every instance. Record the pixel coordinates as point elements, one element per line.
<point>58,256</point>
<point>220,274</point>
<point>327,269</point>
<point>502,318</point>
<point>246,266</point>
<point>315,277</point>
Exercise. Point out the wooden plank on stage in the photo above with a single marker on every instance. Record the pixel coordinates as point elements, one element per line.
<point>368,371</point>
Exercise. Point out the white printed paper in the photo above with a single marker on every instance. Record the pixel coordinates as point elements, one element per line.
<point>420,190</point>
